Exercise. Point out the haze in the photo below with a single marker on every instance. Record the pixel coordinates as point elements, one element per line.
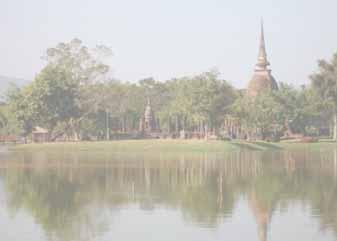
<point>173,38</point>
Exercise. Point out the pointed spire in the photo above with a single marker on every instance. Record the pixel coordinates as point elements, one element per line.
<point>262,61</point>
<point>262,53</point>
<point>262,78</point>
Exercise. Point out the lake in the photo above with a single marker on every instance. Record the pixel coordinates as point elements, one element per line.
<point>243,195</point>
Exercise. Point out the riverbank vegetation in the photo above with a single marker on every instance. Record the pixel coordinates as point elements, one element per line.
<point>74,97</point>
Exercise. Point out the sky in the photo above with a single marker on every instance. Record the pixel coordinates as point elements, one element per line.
<point>164,39</point>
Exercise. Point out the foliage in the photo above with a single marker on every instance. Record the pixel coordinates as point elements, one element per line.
<point>74,97</point>
<point>302,109</point>
<point>324,82</point>
<point>260,115</point>
<point>21,105</point>
<point>201,99</point>
<point>286,111</point>
<point>8,123</point>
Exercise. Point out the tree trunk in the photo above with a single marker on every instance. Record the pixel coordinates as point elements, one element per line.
<point>107,125</point>
<point>335,163</point>
<point>169,125</point>
<point>123,124</point>
<point>177,124</point>
<point>288,131</point>
<point>184,122</point>
<point>263,134</point>
<point>206,131</point>
<point>199,128</point>
<point>335,128</point>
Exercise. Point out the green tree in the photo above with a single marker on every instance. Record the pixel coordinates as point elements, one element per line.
<point>302,109</point>
<point>84,68</point>
<point>23,108</point>
<point>201,101</point>
<point>324,82</point>
<point>261,115</point>
<point>3,117</point>
<point>55,94</point>
<point>8,123</point>
<point>62,95</point>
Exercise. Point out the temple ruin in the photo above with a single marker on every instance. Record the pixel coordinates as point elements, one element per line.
<point>148,123</point>
<point>262,79</point>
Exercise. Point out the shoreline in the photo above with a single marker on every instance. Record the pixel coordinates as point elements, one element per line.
<point>158,145</point>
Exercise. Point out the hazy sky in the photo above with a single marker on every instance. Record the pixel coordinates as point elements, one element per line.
<point>172,38</point>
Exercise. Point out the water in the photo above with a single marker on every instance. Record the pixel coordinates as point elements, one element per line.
<point>246,195</point>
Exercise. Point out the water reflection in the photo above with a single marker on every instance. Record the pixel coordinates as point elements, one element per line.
<point>75,196</point>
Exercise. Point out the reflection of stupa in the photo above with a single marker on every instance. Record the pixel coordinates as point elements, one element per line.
<point>262,216</point>
<point>262,78</point>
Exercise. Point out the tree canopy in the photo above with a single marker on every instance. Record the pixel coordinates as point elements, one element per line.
<point>75,96</point>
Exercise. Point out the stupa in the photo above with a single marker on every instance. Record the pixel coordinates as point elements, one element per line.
<point>262,79</point>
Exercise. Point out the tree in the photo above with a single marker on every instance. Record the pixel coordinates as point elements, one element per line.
<point>8,123</point>
<point>261,115</point>
<point>61,95</point>
<point>3,118</point>
<point>302,108</point>
<point>85,69</point>
<point>85,66</point>
<point>55,94</point>
<point>24,109</point>
<point>324,82</point>
<point>200,101</point>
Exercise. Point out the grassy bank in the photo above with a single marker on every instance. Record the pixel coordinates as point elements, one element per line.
<point>172,146</point>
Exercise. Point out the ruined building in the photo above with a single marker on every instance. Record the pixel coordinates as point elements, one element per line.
<point>262,78</point>
<point>261,81</point>
<point>148,122</point>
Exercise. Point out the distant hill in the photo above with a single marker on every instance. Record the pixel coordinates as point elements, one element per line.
<point>6,81</point>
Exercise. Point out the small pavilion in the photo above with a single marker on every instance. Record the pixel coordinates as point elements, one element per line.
<point>40,135</point>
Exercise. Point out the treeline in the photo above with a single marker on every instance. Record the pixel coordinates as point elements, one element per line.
<point>73,96</point>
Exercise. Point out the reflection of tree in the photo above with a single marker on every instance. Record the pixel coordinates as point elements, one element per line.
<point>54,202</point>
<point>298,176</point>
<point>313,181</point>
<point>70,200</point>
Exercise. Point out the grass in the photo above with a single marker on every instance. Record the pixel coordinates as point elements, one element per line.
<point>321,145</point>
<point>172,146</point>
<point>134,146</point>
